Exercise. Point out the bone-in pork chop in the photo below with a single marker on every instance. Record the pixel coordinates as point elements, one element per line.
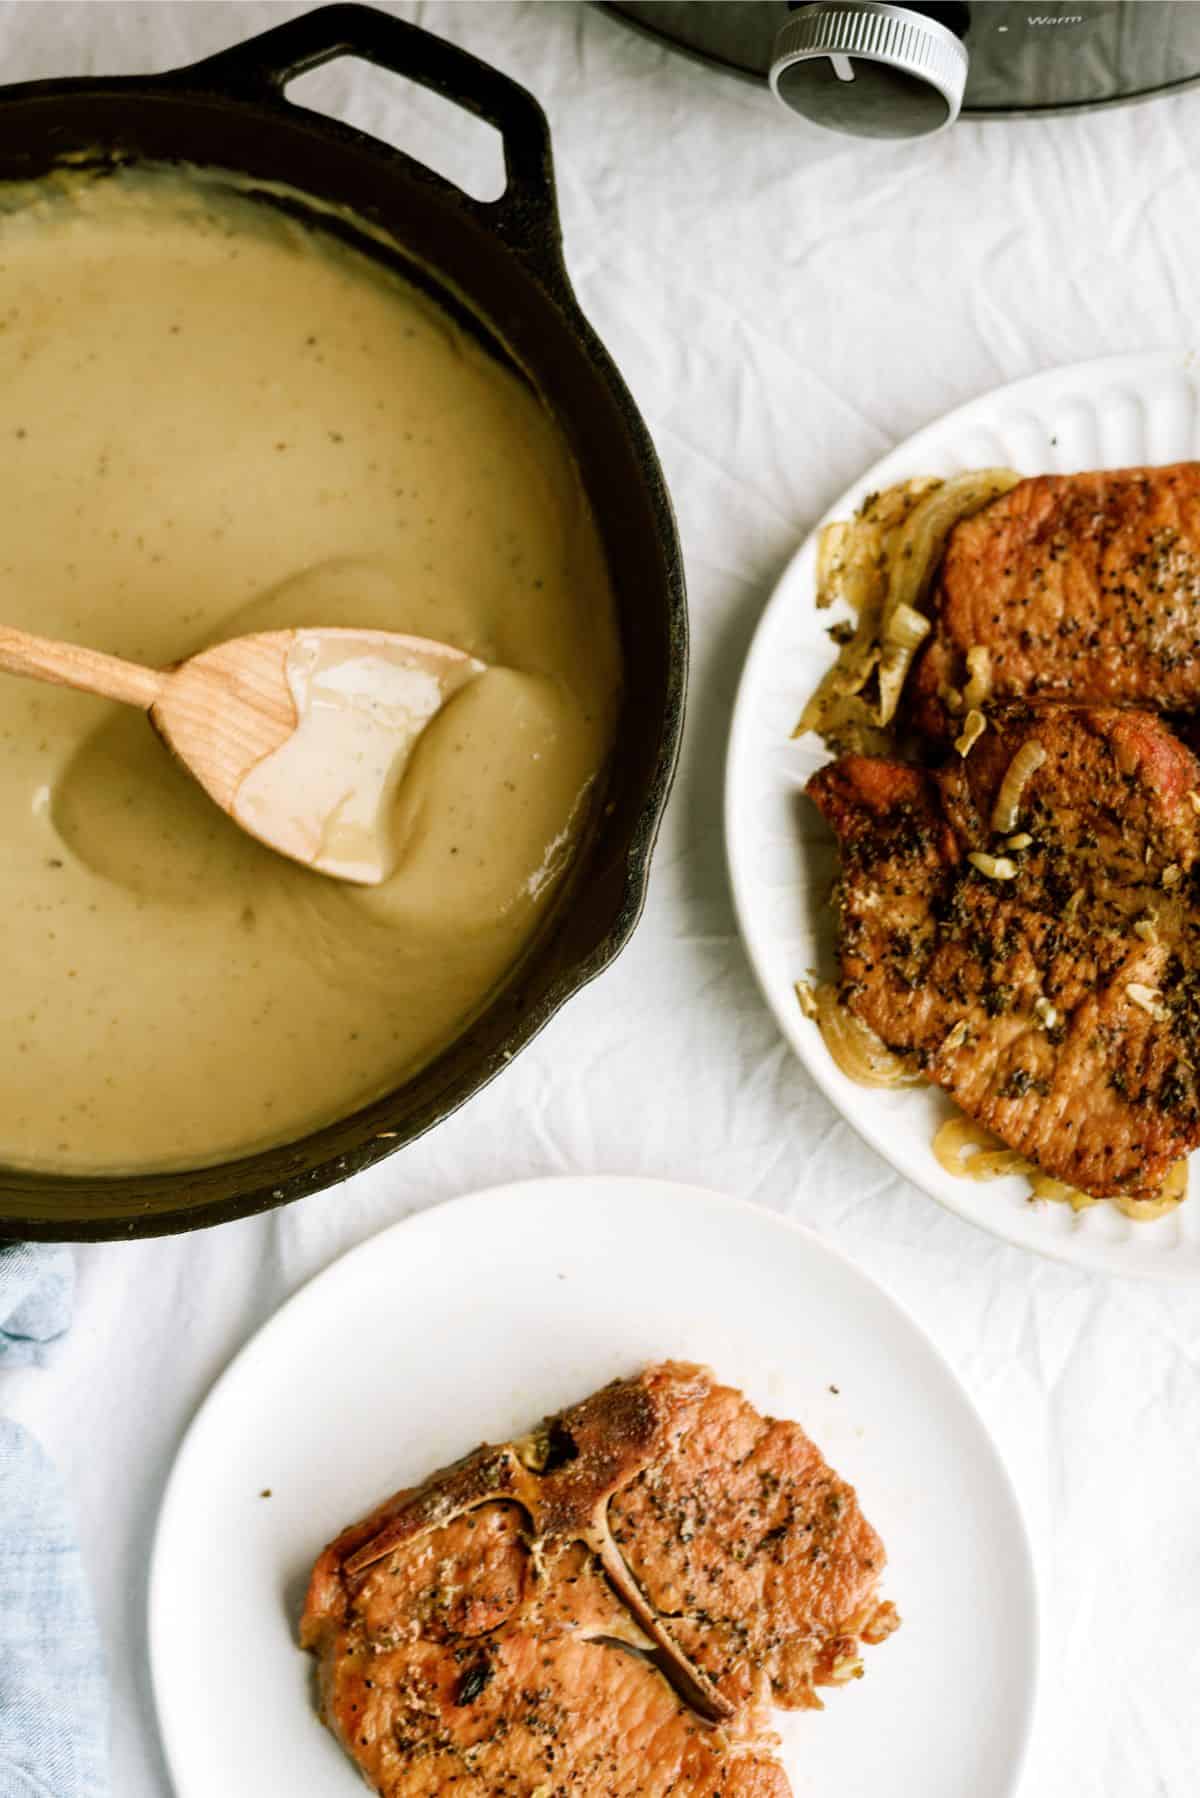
<point>1082,588</point>
<point>602,1610</point>
<point>1052,984</point>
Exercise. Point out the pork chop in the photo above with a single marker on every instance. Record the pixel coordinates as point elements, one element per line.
<point>1052,985</point>
<point>570,1615</point>
<point>1082,588</point>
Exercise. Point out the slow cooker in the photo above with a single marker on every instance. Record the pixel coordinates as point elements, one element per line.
<point>907,71</point>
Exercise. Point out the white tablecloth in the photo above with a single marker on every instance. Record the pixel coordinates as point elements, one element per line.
<point>785,306</point>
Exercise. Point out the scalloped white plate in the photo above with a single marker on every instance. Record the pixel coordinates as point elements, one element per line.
<point>471,1321</point>
<point>1112,413</point>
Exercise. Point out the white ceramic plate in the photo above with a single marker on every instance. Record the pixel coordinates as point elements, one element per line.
<point>472,1321</point>
<point>1109,414</point>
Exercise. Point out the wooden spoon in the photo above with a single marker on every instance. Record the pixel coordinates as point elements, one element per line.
<point>301,735</point>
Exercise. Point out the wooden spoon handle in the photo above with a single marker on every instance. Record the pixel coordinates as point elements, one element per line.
<point>68,665</point>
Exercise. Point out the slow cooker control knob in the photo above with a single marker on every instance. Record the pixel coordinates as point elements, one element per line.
<point>869,69</point>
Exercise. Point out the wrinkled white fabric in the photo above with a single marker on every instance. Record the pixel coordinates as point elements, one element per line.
<point>785,305</point>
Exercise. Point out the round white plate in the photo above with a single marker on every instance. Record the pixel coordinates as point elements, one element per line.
<point>1114,413</point>
<point>473,1320</point>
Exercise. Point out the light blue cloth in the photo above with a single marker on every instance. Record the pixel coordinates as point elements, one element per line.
<point>53,1690</point>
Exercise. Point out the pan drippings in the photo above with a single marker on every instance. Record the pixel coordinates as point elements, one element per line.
<point>216,422</point>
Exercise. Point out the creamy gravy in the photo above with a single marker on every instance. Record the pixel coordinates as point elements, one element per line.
<point>215,422</point>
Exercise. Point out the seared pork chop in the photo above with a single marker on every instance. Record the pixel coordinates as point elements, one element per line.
<point>1052,985</point>
<point>604,1608</point>
<point>1082,588</point>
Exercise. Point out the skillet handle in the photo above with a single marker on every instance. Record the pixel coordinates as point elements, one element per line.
<point>526,214</point>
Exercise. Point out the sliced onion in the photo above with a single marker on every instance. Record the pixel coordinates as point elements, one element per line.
<point>1045,1186</point>
<point>856,1048</point>
<point>970,1152</point>
<point>1174,1192</point>
<point>893,672</point>
<point>918,549</point>
<point>831,555</point>
<point>806,997</point>
<point>995,867</point>
<point>881,565</point>
<point>906,629</point>
<point>979,667</point>
<point>1021,769</point>
<point>974,725</point>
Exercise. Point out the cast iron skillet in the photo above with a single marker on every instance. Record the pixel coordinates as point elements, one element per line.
<point>504,258</point>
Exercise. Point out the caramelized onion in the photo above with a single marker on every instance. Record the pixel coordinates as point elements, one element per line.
<point>1023,766</point>
<point>979,667</point>
<point>881,565</point>
<point>855,1048</point>
<point>1173,1193</point>
<point>996,867</point>
<point>922,540</point>
<point>974,725</point>
<point>970,1152</point>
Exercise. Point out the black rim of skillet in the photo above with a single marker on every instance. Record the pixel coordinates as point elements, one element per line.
<point>500,265</point>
